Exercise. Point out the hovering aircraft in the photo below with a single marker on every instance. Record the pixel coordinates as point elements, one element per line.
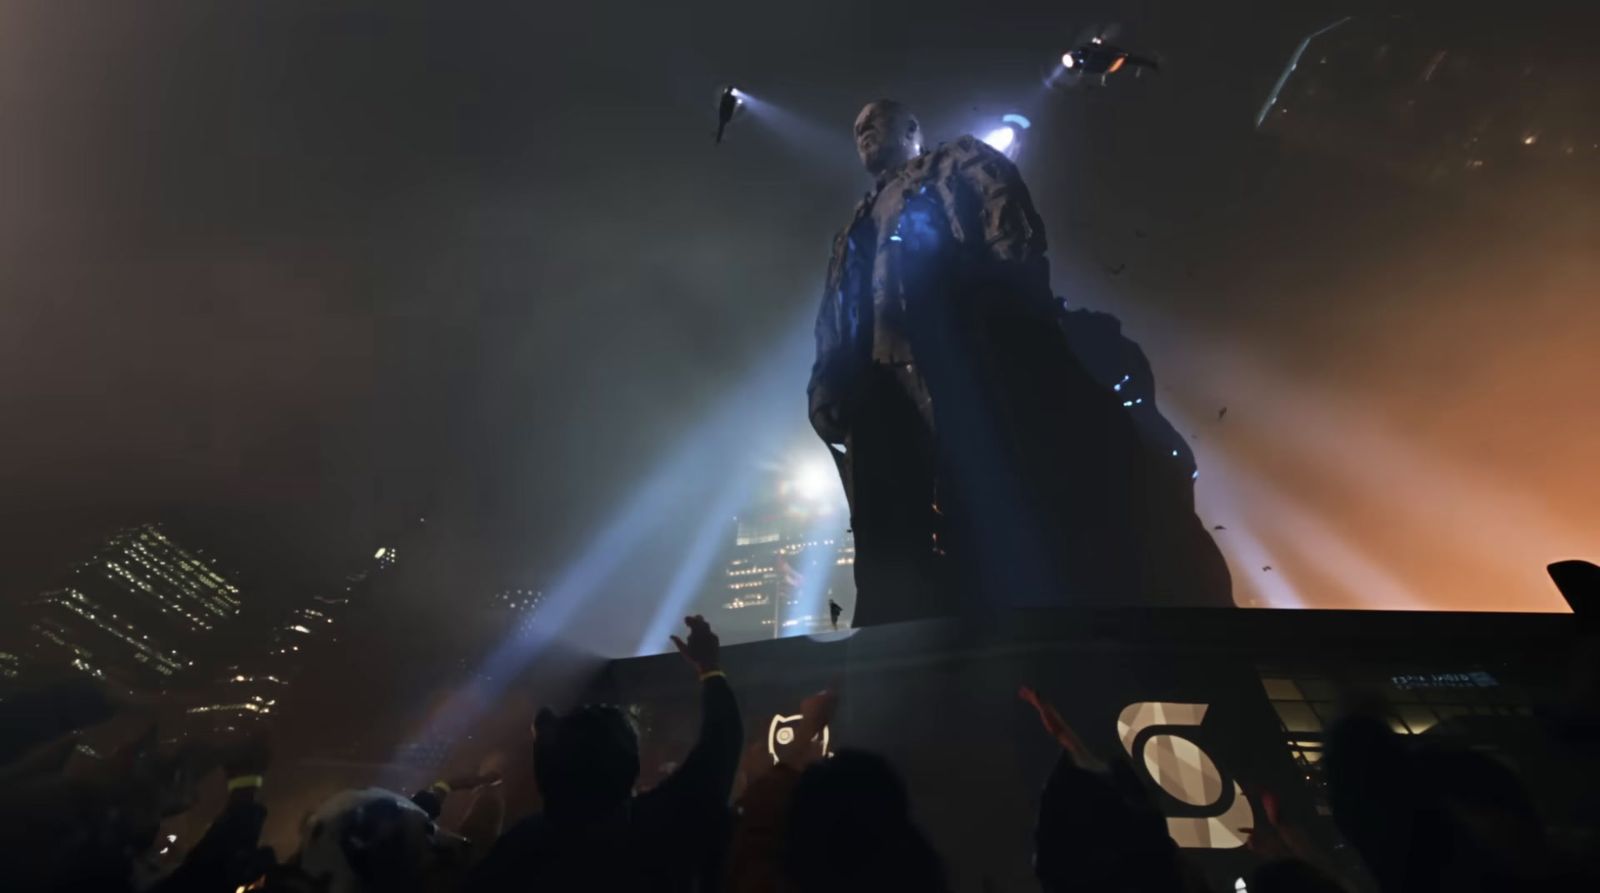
<point>1095,58</point>
<point>728,103</point>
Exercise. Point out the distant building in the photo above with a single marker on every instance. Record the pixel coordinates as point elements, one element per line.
<point>520,604</point>
<point>790,555</point>
<point>428,746</point>
<point>138,609</point>
<point>247,689</point>
<point>1435,101</point>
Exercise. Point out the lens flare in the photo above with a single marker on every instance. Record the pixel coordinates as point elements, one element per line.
<point>813,480</point>
<point>1001,138</point>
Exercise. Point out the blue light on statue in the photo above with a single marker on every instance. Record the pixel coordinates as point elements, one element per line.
<point>916,226</point>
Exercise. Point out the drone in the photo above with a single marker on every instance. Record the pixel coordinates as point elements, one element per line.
<point>729,102</point>
<point>1095,58</point>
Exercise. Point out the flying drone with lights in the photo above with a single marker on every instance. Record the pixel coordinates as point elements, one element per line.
<point>1095,58</point>
<point>729,103</point>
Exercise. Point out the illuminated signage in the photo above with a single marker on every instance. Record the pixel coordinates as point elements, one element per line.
<point>1150,733</point>
<point>780,735</point>
<point>1474,679</point>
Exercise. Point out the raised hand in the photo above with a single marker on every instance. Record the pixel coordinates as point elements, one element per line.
<point>703,651</point>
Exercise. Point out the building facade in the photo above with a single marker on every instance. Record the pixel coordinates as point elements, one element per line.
<point>246,690</point>
<point>139,610</point>
<point>791,555</point>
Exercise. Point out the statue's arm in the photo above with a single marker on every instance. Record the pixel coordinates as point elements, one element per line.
<point>995,204</point>
<point>824,395</point>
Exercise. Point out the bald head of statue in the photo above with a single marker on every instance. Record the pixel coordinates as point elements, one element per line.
<point>887,136</point>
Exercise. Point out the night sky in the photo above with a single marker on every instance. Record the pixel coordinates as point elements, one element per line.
<point>323,268</point>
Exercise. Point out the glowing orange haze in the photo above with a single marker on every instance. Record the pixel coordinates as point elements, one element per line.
<point>1428,438</point>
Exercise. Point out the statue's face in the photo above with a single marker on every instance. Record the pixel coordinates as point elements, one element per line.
<point>886,137</point>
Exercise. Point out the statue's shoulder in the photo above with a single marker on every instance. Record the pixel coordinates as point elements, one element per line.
<point>969,149</point>
<point>968,146</point>
<point>960,153</point>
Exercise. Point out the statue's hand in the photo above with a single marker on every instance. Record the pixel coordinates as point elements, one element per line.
<point>828,421</point>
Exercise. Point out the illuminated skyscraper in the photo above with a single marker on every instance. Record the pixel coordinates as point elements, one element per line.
<point>247,689</point>
<point>10,665</point>
<point>137,609</point>
<point>791,553</point>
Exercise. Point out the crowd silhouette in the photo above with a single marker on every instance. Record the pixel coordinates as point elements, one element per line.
<point>1419,815</point>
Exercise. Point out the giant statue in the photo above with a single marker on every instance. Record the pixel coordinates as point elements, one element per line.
<point>984,464</point>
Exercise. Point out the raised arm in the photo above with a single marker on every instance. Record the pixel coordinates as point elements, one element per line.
<point>706,777</point>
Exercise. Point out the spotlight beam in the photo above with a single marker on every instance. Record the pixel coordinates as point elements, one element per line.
<point>723,441</point>
<point>696,565</point>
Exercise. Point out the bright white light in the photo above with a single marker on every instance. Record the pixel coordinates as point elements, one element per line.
<point>1001,138</point>
<point>1067,61</point>
<point>382,551</point>
<point>812,480</point>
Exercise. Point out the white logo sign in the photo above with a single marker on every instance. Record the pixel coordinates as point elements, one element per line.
<point>1186,772</point>
<point>780,734</point>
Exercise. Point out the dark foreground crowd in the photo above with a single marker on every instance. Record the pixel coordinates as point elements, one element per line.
<point>1419,819</point>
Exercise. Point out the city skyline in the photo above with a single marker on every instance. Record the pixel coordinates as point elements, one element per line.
<point>788,551</point>
<point>141,608</point>
<point>313,306</point>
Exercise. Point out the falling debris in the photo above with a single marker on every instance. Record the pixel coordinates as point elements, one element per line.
<point>1219,527</point>
<point>1222,412</point>
<point>1266,567</point>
